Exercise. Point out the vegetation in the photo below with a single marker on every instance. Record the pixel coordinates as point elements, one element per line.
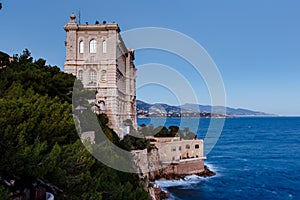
<point>162,131</point>
<point>135,140</point>
<point>39,142</point>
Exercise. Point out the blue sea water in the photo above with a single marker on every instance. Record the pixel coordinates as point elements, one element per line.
<point>254,158</point>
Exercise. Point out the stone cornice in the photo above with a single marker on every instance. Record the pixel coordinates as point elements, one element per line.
<point>98,27</point>
<point>72,26</point>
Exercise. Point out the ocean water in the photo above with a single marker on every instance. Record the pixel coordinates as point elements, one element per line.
<point>255,158</point>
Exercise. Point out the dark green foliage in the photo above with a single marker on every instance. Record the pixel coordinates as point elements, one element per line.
<point>45,80</point>
<point>135,140</point>
<point>38,139</point>
<point>162,131</point>
<point>4,59</point>
<point>134,143</point>
<point>4,193</point>
<point>109,133</point>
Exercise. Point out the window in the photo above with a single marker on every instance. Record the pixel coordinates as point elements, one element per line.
<point>187,146</point>
<point>104,46</point>
<point>92,75</point>
<point>81,47</point>
<point>197,146</point>
<point>93,46</point>
<point>179,148</point>
<point>103,75</point>
<point>80,75</point>
<point>173,148</point>
<point>92,59</point>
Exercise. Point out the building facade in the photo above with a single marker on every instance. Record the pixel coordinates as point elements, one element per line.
<point>97,55</point>
<point>175,150</point>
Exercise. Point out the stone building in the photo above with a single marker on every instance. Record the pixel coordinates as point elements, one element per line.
<point>97,55</point>
<point>171,158</point>
<point>175,150</point>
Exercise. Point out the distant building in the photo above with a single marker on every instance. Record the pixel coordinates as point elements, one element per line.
<point>170,157</point>
<point>97,55</point>
<point>174,149</point>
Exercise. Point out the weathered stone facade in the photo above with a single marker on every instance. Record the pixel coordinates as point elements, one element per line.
<point>97,55</point>
<point>171,157</point>
<point>175,150</point>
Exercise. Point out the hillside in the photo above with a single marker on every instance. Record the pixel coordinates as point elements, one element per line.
<point>40,146</point>
<point>191,110</point>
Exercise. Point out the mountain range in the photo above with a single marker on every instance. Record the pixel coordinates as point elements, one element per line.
<point>191,110</point>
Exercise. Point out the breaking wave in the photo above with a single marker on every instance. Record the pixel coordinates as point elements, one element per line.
<point>188,180</point>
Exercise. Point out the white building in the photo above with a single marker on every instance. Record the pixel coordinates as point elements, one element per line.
<point>97,55</point>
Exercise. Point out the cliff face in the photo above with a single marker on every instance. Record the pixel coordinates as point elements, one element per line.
<point>178,170</point>
<point>151,168</point>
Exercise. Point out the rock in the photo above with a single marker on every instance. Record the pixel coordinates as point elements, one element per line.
<point>207,172</point>
<point>162,173</point>
<point>160,194</point>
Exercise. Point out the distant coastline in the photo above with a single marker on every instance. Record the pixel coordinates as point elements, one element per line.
<point>159,110</point>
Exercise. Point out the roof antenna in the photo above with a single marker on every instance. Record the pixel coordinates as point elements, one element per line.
<point>79,17</point>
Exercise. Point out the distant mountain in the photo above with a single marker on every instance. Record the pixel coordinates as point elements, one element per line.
<point>191,110</point>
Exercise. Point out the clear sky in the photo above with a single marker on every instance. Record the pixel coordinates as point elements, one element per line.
<point>255,44</point>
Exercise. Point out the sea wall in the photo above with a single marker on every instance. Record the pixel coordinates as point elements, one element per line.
<point>150,168</point>
<point>178,170</point>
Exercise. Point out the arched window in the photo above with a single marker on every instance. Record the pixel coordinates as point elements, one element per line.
<point>103,75</point>
<point>81,47</point>
<point>104,46</point>
<point>93,46</point>
<point>92,75</point>
<point>197,146</point>
<point>187,146</point>
<point>80,75</point>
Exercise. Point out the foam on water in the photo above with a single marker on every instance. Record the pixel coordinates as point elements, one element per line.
<point>187,181</point>
<point>262,163</point>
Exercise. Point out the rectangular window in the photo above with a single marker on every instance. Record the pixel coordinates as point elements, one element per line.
<point>92,59</point>
<point>80,75</point>
<point>81,47</point>
<point>92,75</point>
<point>104,47</point>
<point>93,46</point>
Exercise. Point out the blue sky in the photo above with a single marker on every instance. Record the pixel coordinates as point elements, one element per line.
<point>255,44</point>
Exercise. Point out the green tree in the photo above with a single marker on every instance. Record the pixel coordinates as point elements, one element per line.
<point>39,142</point>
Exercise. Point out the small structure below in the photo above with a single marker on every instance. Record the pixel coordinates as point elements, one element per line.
<point>170,158</point>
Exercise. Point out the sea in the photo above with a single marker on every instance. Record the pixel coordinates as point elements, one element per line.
<point>254,158</point>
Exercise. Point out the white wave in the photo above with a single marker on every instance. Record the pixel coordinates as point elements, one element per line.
<point>187,181</point>
<point>211,167</point>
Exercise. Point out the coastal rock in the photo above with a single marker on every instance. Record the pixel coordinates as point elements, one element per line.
<point>165,174</point>
<point>206,173</point>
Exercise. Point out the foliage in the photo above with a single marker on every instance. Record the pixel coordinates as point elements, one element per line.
<point>4,59</point>
<point>162,131</point>
<point>4,193</point>
<point>45,80</point>
<point>38,139</point>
